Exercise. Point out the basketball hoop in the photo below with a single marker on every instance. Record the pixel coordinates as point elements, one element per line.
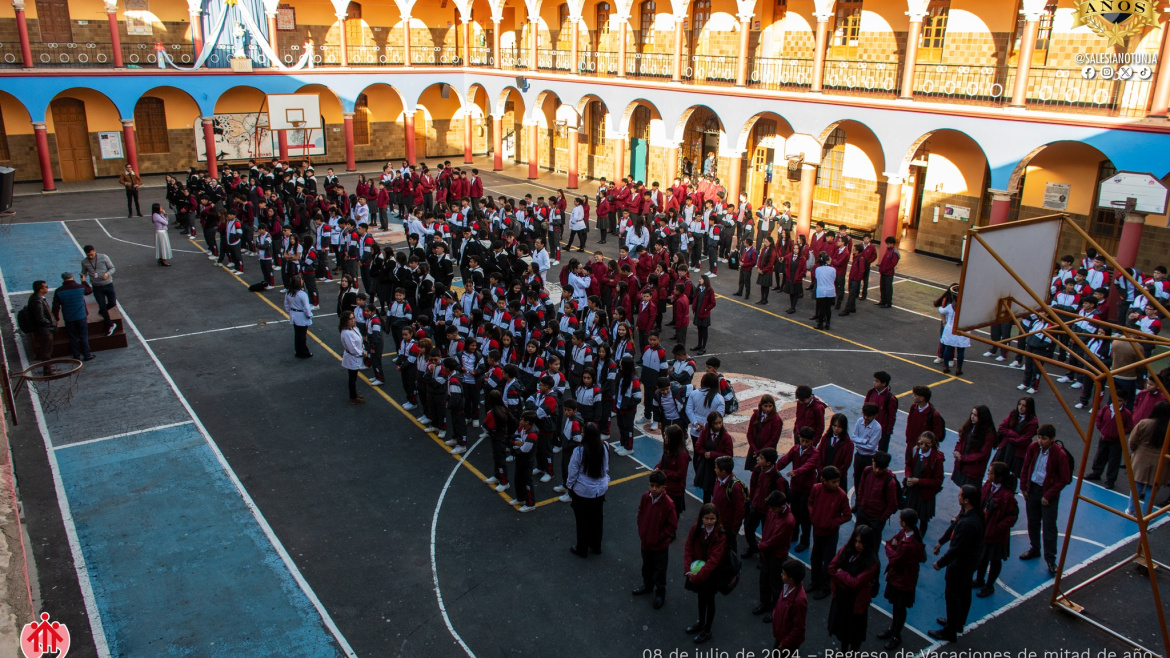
<point>1121,209</point>
<point>54,391</point>
<point>794,164</point>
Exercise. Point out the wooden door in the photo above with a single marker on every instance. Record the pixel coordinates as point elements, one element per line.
<point>53,19</point>
<point>72,131</point>
<point>758,176</point>
<point>420,134</point>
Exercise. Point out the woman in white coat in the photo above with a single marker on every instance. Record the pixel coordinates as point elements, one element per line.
<point>954,346</point>
<point>353,353</point>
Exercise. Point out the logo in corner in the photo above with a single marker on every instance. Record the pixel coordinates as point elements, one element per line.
<point>39,638</point>
<point>1116,20</point>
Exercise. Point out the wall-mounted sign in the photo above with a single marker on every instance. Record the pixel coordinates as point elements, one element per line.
<point>958,213</point>
<point>286,18</point>
<point>111,145</point>
<point>1056,196</point>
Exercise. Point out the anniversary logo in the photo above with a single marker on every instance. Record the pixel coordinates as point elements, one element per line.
<point>1116,20</point>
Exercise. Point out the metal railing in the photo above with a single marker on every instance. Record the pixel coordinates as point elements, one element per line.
<point>435,56</point>
<point>1068,90</point>
<point>601,63</point>
<point>482,57</point>
<point>711,69</point>
<point>372,55</point>
<point>69,55</point>
<point>780,74</point>
<point>553,60</point>
<point>966,85</point>
<point>513,58</point>
<point>650,65</point>
<point>859,78</point>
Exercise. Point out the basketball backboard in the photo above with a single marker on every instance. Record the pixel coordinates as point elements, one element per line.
<point>1028,247</point>
<point>800,144</point>
<point>294,112</point>
<point>1149,192</point>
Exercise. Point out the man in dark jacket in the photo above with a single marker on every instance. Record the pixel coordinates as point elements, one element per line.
<point>69,300</point>
<point>43,324</point>
<point>961,559</point>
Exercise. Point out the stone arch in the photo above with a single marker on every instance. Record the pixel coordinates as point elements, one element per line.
<point>782,128</point>
<point>866,141</point>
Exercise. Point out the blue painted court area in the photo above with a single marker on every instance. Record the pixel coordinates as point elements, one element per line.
<point>172,558</point>
<point>1094,532</point>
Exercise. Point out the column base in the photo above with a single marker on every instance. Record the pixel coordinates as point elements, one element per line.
<point>815,91</point>
<point>1017,108</point>
<point>1158,116</point>
<point>49,191</point>
<point>905,99</point>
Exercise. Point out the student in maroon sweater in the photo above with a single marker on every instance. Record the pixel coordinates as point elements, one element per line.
<point>657,525</point>
<point>1108,457</point>
<point>924,479</point>
<point>806,468</point>
<point>766,478</point>
<point>774,543</point>
<point>973,451</point>
<point>790,615</point>
<point>877,494</point>
<point>828,505</point>
<point>854,574</point>
<point>730,498</point>
<point>1016,433</point>
<point>681,307</point>
<point>836,447</point>
<point>674,465</point>
<point>1000,513</point>
<point>707,542</point>
<point>922,417</point>
<point>904,552</point>
<point>810,412</point>
<point>1045,474</point>
<point>764,429</point>
<point>887,404</point>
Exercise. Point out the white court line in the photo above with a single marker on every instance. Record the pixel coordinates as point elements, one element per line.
<point>821,349</point>
<point>123,434</point>
<point>94,219</point>
<point>251,505</point>
<point>434,564</point>
<point>83,582</point>
<point>21,292</point>
<point>240,326</point>
<point>137,244</point>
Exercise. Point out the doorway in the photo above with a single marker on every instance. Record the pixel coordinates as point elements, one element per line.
<point>639,149</point>
<point>759,176</point>
<point>72,131</point>
<point>420,134</point>
<point>917,183</point>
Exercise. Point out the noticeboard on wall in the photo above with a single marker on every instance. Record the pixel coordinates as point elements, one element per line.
<point>286,18</point>
<point>111,145</point>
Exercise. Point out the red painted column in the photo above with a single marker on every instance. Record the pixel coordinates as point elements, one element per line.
<point>1131,239</point>
<point>533,152</point>
<point>468,145</point>
<point>350,160</point>
<point>46,159</point>
<point>1001,206</point>
<point>197,32</point>
<point>497,143</point>
<point>890,213</point>
<point>209,141</point>
<point>22,30</point>
<point>574,146</point>
<point>741,73</point>
<point>115,38</point>
<point>466,42</point>
<point>408,128</point>
<point>131,145</point>
<point>671,163</point>
<point>282,144</point>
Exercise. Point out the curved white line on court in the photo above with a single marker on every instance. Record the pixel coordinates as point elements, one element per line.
<point>434,566</point>
<point>139,244</point>
<point>1060,535</point>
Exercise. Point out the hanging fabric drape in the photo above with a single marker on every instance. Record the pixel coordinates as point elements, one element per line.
<point>210,44</point>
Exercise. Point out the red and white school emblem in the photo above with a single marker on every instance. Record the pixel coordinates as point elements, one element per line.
<point>44,637</point>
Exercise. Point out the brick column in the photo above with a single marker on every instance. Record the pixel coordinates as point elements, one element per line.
<point>497,142</point>
<point>676,74</point>
<point>273,42</point>
<point>734,174</point>
<point>1131,238</point>
<point>808,185</point>
<point>745,26</point>
<point>533,151</point>
<point>22,30</point>
<point>342,19</point>
<point>893,204</point>
<point>913,36</point>
<point>621,152</point>
<point>818,73</point>
<point>350,160</point>
<point>467,141</point>
<point>1001,206</point>
<point>621,63</point>
<point>408,129</point>
<point>115,38</point>
<point>282,144</point>
<point>574,48</point>
<point>496,40</point>
<point>131,144</point>
<point>43,155</point>
<point>574,145</point>
<point>671,163</point>
<point>1160,97</point>
<point>466,21</point>
<point>209,143</point>
<point>1024,64</point>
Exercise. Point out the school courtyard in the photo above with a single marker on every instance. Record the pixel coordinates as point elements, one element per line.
<point>206,493</point>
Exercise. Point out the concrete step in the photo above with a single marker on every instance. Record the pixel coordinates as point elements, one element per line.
<point>98,340</point>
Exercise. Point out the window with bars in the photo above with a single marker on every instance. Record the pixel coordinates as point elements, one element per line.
<point>596,125</point>
<point>566,30</point>
<point>603,11</point>
<point>846,29</point>
<point>934,31</point>
<point>150,125</point>
<point>361,120</point>
<point>700,14</point>
<point>1043,34</point>
<point>828,189</point>
<point>1104,223</point>
<point>646,37</point>
<point>4,153</point>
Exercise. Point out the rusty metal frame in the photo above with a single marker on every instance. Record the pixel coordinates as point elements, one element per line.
<point>1101,378</point>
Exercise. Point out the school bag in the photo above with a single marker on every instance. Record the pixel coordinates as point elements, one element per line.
<point>730,401</point>
<point>1072,462</point>
<point>24,319</point>
<point>899,493</point>
<point>733,260</point>
<point>727,573</point>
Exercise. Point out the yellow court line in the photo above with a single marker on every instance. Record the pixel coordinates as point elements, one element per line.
<point>394,403</point>
<point>833,335</point>
<point>612,483</point>
<point>938,383</point>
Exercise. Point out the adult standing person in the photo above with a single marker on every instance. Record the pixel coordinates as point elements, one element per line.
<point>1045,473</point>
<point>825,278</point>
<point>961,559</point>
<point>131,181</point>
<point>1145,443</point>
<point>162,241</point>
<point>587,482</point>
<point>353,353</point>
<point>300,314</point>
<point>69,300</point>
<point>704,304</point>
<point>99,270</point>
<point>42,324</point>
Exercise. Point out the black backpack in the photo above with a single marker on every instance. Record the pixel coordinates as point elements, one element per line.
<point>24,319</point>
<point>899,493</point>
<point>1072,461</point>
<point>733,260</point>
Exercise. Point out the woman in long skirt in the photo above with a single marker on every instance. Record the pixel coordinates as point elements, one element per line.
<point>162,241</point>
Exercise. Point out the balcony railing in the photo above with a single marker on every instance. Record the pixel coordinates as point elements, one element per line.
<point>482,57</point>
<point>780,74</point>
<point>966,85</point>
<point>1068,90</point>
<point>598,63</point>
<point>650,65</point>
<point>711,69</point>
<point>513,58</point>
<point>553,60</point>
<point>858,78</point>
<point>435,56</point>
<point>372,56</point>
<point>67,55</point>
